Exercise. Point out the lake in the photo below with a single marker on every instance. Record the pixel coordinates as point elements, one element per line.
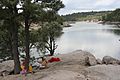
<point>98,39</point>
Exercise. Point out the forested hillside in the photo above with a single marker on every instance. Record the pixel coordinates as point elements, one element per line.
<point>86,16</point>
<point>113,17</point>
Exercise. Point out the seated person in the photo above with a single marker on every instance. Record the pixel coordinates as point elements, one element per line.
<point>30,68</point>
<point>43,63</point>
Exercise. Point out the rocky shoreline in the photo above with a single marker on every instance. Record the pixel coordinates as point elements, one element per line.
<point>109,23</point>
<point>77,65</point>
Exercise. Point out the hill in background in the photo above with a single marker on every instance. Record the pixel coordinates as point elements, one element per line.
<point>86,16</point>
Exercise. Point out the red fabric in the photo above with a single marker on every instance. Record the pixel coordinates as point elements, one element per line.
<point>54,59</point>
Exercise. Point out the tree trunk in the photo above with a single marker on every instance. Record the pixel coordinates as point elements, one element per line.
<point>51,52</point>
<point>15,52</point>
<point>10,39</point>
<point>27,42</point>
<point>51,47</point>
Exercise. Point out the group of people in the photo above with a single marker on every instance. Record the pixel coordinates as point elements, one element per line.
<point>42,64</point>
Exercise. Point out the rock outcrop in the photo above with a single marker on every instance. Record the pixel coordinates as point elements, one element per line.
<point>71,67</point>
<point>103,72</point>
<point>64,75</point>
<point>6,67</point>
<point>110,60</point>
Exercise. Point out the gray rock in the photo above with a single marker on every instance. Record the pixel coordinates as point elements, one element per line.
<point>64,75</point>
<point>110,60</point>
<point>99,61</point>
<point>85,58</point>
<point>6,67</point>
<point>77,57</point>
<point>103,72</point>
<point>91,61</point>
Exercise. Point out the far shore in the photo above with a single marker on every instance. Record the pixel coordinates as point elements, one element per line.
<point>67,23</point>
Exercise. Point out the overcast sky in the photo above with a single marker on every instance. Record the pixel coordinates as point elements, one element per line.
<point>72,6</point>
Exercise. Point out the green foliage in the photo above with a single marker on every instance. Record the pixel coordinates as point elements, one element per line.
<point>5,45</point>
<point>47,35</point>
<point>8,19</point>
<point>113,17</point>
<point>44,12</point>
<point>52,29</point>
<point>54,5</point>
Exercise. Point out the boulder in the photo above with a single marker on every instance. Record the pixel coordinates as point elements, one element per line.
<point>6,67</point>
<point>99,61</point>
<point>78,57</point>
<point>110,60</point>
<point>90,61</point>
<point>87,58</point>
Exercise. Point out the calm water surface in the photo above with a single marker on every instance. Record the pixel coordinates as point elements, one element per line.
<point>100,40</point>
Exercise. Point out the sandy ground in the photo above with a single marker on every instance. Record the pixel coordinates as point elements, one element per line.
<point>72,67</point>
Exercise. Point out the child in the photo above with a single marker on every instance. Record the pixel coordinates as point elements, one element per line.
<point>24,71</point>
<point>30,68</point>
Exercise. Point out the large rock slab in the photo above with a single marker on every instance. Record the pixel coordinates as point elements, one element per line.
<point>110,60</point>
<point>103,72</point>
<point>64,75</point>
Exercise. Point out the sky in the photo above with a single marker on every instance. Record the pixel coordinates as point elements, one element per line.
<point>72,6</point>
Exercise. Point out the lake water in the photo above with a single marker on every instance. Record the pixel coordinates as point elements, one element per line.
<point>100,40</point>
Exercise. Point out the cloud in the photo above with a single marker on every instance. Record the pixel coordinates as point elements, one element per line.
<point>105,2</point>
<point>72,6</point>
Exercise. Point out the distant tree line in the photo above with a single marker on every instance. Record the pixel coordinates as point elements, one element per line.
<point>83,16</point>
<point>113,16</point>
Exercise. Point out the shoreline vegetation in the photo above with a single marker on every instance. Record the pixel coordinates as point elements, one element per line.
<point>77,65</point>
<point>68,24</point>
<point>101,17</point>
<point>110,23</point>
<point>86,16</point>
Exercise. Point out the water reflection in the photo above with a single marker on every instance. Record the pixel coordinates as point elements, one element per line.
<point>101,40</point>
